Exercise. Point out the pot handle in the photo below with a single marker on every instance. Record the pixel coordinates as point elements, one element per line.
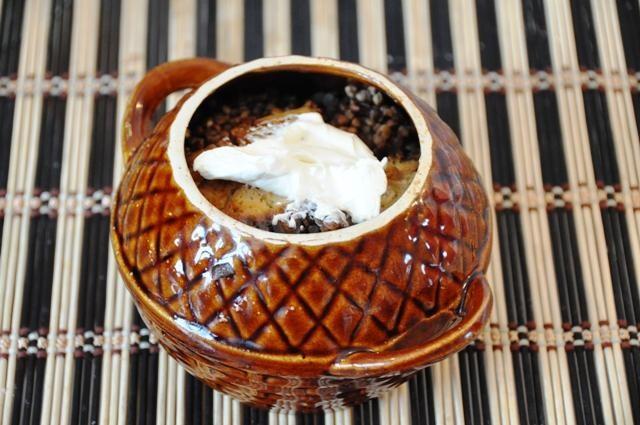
<point>477,308</point>
<point>159,83</point>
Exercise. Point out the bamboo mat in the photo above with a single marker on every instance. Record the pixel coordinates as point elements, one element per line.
<point>544,94</point>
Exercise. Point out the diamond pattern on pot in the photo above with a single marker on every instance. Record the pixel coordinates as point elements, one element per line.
<point>296,299</point>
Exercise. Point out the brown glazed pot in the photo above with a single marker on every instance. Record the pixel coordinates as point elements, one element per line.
<point>301,321</point>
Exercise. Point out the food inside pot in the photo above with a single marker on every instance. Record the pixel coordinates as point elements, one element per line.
<point>258,107</point>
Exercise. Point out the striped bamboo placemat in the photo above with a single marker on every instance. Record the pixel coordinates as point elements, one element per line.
<point>544,94</point>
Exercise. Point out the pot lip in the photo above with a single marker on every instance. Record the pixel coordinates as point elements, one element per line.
<point>182,175</point>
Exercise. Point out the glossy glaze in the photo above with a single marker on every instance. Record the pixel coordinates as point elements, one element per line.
<point>292,325</point>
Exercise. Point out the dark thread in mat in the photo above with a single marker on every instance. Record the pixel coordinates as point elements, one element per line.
<point>631,356</point>
<point>11,21</point>
<point>158,32</point>
<point>394,26</point>
<point>143,379</point>
<point>603,153</point>
<point>625,286</point>
<point>7,106</point>
<point>348,30</point>
<point>206,28</point>
<point>499,140</point>
<point>447,106</point>
<point>550,143</point>
<point>37,285</point>
<point>584,386</point>
<point>54,108</point>
<point>528,387</point>
<point>300,27</point>
<point>516,282</point>
<point>35,312</point>
<point>87,377</point>
<point>50,148</point>
<point>519,311</point>
<point>488,35</point>
<point>535,28</point>
<point>198,402</point>
<point>60,37</point>
<point>104,117</point>
<point>103,143</point>
<point>635,96</point>
<point>566,257</point>
<point>109,34</point>
<point>367,413</point>
<point>253,29</point>
<point>625,290</point>
<point>571,294</point>
<point>157,42</point>
<point>629,17</point>
<point>137,375</point>
<point>441,35</point>
<point>90,316</point>
<point>254,416</point>
<point>421,396</point>
<point>33,369</point>
<point>475,394</point>
<point>584,32</point>
<point>310,418</point>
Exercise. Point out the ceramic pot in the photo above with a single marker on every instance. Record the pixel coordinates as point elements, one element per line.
<point>300,321</point>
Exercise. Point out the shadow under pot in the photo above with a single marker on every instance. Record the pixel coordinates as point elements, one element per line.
<point>303,315</point>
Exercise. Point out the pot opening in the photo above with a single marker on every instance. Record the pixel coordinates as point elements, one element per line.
<point>255,101</point>
<point>278,84</point>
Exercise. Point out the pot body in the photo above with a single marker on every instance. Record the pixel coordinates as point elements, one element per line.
<point>294,325</point>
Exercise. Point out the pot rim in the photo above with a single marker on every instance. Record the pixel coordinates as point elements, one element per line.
<point>182,175</point>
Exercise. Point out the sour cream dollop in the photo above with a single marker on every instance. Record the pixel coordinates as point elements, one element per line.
<point>304,159</point>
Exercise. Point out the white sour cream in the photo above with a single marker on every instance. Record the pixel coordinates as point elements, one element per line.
<point>304,159</point>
